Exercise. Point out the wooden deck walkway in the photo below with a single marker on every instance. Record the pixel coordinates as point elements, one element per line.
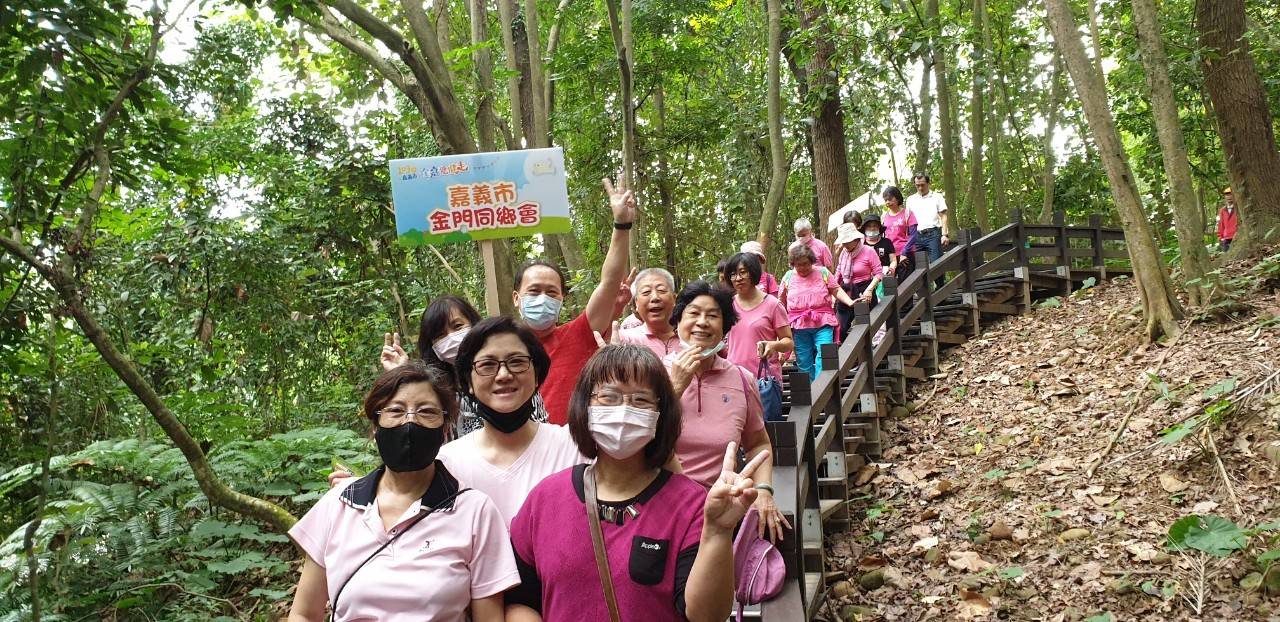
<point>832,426</point>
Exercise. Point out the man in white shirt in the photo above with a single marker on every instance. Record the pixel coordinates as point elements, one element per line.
<point>930,210</point>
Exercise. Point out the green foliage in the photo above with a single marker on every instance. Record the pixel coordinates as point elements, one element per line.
<point>1210,534</point>
<point>125,524</point>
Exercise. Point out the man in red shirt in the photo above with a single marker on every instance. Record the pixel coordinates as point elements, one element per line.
<point>1228,220</point>
<point>539,294</point>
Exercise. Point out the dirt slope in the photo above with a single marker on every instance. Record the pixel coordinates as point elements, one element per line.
<point>982,508</point>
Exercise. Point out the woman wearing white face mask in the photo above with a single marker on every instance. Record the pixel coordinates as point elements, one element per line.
<point>445,323</point>
<point>665,541</point>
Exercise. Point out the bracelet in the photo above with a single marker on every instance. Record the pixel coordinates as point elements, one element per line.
<point>623,226</point>
<point>764,486</point>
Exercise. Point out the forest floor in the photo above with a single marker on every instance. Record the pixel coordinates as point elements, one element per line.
<point>984,506</point>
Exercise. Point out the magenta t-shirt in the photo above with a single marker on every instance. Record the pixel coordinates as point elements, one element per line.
<point>759,324</point>
<point>552,540</point>
<point>897,228</point>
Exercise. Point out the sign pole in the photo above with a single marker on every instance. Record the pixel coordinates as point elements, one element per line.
<point>490,279</point>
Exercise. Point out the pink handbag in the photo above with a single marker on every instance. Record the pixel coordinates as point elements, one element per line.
<point>759,571</point>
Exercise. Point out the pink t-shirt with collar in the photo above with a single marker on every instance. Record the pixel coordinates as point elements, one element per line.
<point>761,323</point>
<point>459,553</point>
<point>642,336</point>
<point>551,451</point>
<point>859,266</point>
<point>721,406</point>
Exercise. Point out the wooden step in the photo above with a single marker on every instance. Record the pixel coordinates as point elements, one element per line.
<point>828,507</point>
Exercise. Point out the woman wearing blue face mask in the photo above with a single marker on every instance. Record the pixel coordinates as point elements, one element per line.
<point>720,401</point>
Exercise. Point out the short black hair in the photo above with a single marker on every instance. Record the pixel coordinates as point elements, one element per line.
<point>723,297</point>
<point>524,267</point>
<point>922,175</point>
<point>388,384</point>
<point>750,261</point>
<point>854,217</point>
<point>626,363</point>
<point>435,324</point>
<point>892,191</point>
<point>490,327</point>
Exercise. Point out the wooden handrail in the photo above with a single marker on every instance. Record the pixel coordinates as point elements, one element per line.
<point>817,426</point>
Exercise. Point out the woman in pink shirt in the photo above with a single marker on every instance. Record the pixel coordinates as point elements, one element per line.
<point>858,274</point>
<point>407,541</point>
<point>762,331</point>
<point>768,284</point>
<point>900,228</point>
<point>720,402</point>
<point>666,540</point>
<point>807,291</point>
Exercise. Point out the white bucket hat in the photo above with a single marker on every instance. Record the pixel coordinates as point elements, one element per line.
<point>752,247</point>
<point>847,232</point>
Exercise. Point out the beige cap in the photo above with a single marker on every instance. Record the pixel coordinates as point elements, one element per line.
<point>847,232</point>
<point>752,246</point>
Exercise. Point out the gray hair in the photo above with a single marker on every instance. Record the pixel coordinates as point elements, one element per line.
<point>648,272</point>
<point>802,224</point>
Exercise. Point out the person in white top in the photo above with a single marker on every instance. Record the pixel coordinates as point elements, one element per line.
<point>930,209</point>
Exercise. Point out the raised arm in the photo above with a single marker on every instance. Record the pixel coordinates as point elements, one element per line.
<point>600,308</point>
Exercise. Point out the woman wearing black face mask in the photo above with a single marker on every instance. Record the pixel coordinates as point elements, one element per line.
<point>500,366</point>
<point>445,323</point>
<point>466,560</point>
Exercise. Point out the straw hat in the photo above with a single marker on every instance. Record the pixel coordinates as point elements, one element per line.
<point>847,232</point>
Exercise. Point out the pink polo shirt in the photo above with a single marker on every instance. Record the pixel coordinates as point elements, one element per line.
<point>551,451</point>
<point>459,553</point>
<point>759,324</point>
<point>897,228</point>
<point>642,336</point>
<point>808,298</point>
<point>720,406</point>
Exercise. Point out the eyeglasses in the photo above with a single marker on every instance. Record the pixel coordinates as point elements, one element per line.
<point>606,397</point>
<point>515,365</point>
<point>394,416</point>
<point>740,274</point>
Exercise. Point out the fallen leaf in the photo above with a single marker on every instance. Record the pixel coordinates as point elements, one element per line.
<point>1172,484</point>
<point>973,605</point>
<point>1204,507</point>
<point>1000,531</point>
<point>1073,534</point>
<point>925,544</point>
<point>968,561</point>
<point>1103,500</point>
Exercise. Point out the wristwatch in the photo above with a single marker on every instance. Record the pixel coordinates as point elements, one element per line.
<point>622,226</point>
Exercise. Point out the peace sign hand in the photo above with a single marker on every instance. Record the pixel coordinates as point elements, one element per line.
<point>732,495</point>
<point>393,355</point>
<point>621,200</point>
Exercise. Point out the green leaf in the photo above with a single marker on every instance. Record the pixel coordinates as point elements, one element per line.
<point>1269,556</point>
<point>1050,303</point>
<point>1102,617</point>
<point>995,474</point>
<point>1214,535</point>
<point>1012,572</point>
<point>1223,387</point>
<point>1177,432</point>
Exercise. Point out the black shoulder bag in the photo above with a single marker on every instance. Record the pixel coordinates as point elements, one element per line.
<point>333,605</point>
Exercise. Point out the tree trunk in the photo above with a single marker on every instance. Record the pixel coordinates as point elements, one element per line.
<point>977,118</point>
<point>777,150</point>
<point>487,127</point>
<point>996,121</point>
<point>506,16</point>
<point>666,189</point>
<point>1158,300</point>
<point>553,41</point>
<point>620,27</point>
<point>926,114</point>
<point>948,131</point>
<point>539,136</point>
<point>1048,178</point>
<point>1095,37</point>
<point>1244,121</point>
<point>1177,167</point>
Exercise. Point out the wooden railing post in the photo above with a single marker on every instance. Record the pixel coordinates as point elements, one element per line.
<point>868,399</point>
<point>1022,268</point>
<point>1099,258</point>
<point>1064,251</point>
<point>969,290</point>
<point>928,329</point>
<point>893,330</point>
<point>836,484</point>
